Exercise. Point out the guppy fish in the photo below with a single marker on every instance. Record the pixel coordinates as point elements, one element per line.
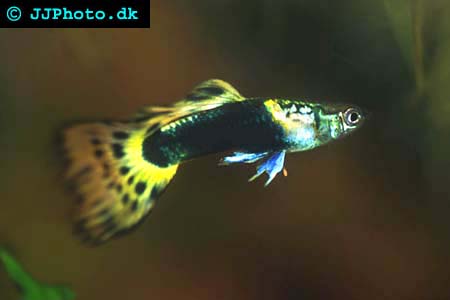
<point>119,169</point>
<point>29,288</point>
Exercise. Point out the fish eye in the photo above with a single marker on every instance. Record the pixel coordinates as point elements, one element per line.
<point>352,117</point>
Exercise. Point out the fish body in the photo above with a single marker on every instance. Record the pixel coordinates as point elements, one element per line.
<point>254,125</point>
<point>120,168</point>
<point>29,288</point>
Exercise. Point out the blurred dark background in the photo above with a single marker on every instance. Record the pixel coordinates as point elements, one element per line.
<point>363,218</point>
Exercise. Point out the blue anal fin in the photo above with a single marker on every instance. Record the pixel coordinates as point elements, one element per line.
<point>242,157</point>
<point>271,166</point>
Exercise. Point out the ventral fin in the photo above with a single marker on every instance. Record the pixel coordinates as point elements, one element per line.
<point>242,157</point>
<point>271,166</point>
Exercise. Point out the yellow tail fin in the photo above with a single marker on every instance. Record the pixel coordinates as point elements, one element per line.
<point>116,186</point>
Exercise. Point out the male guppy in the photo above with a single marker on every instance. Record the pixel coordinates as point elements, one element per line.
<point>119,169</point>
<point>29,288</point>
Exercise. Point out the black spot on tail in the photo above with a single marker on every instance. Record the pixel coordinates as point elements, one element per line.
<point>118,150</point>
<point>98,153</point>
<point>157,190</point>
<point>135,205</point>
<point>124,170</point>
<point>140,188</point>
<point>125,199</point>
<point>120,135</point>
<point>95,141</point>
<point>109,225</point>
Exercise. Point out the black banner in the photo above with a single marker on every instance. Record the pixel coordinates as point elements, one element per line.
<point>75,13</point>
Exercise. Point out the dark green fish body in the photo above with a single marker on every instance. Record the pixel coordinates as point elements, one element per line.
<point>121,168</point>
<point>249,126</point>
<point>234,126</point>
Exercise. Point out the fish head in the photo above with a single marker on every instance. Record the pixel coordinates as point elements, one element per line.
<point>308,125</point>
<point>340,120</point>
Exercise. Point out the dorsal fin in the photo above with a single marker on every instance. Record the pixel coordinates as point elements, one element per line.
<point>205,96</point>
<point>212,91</point>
